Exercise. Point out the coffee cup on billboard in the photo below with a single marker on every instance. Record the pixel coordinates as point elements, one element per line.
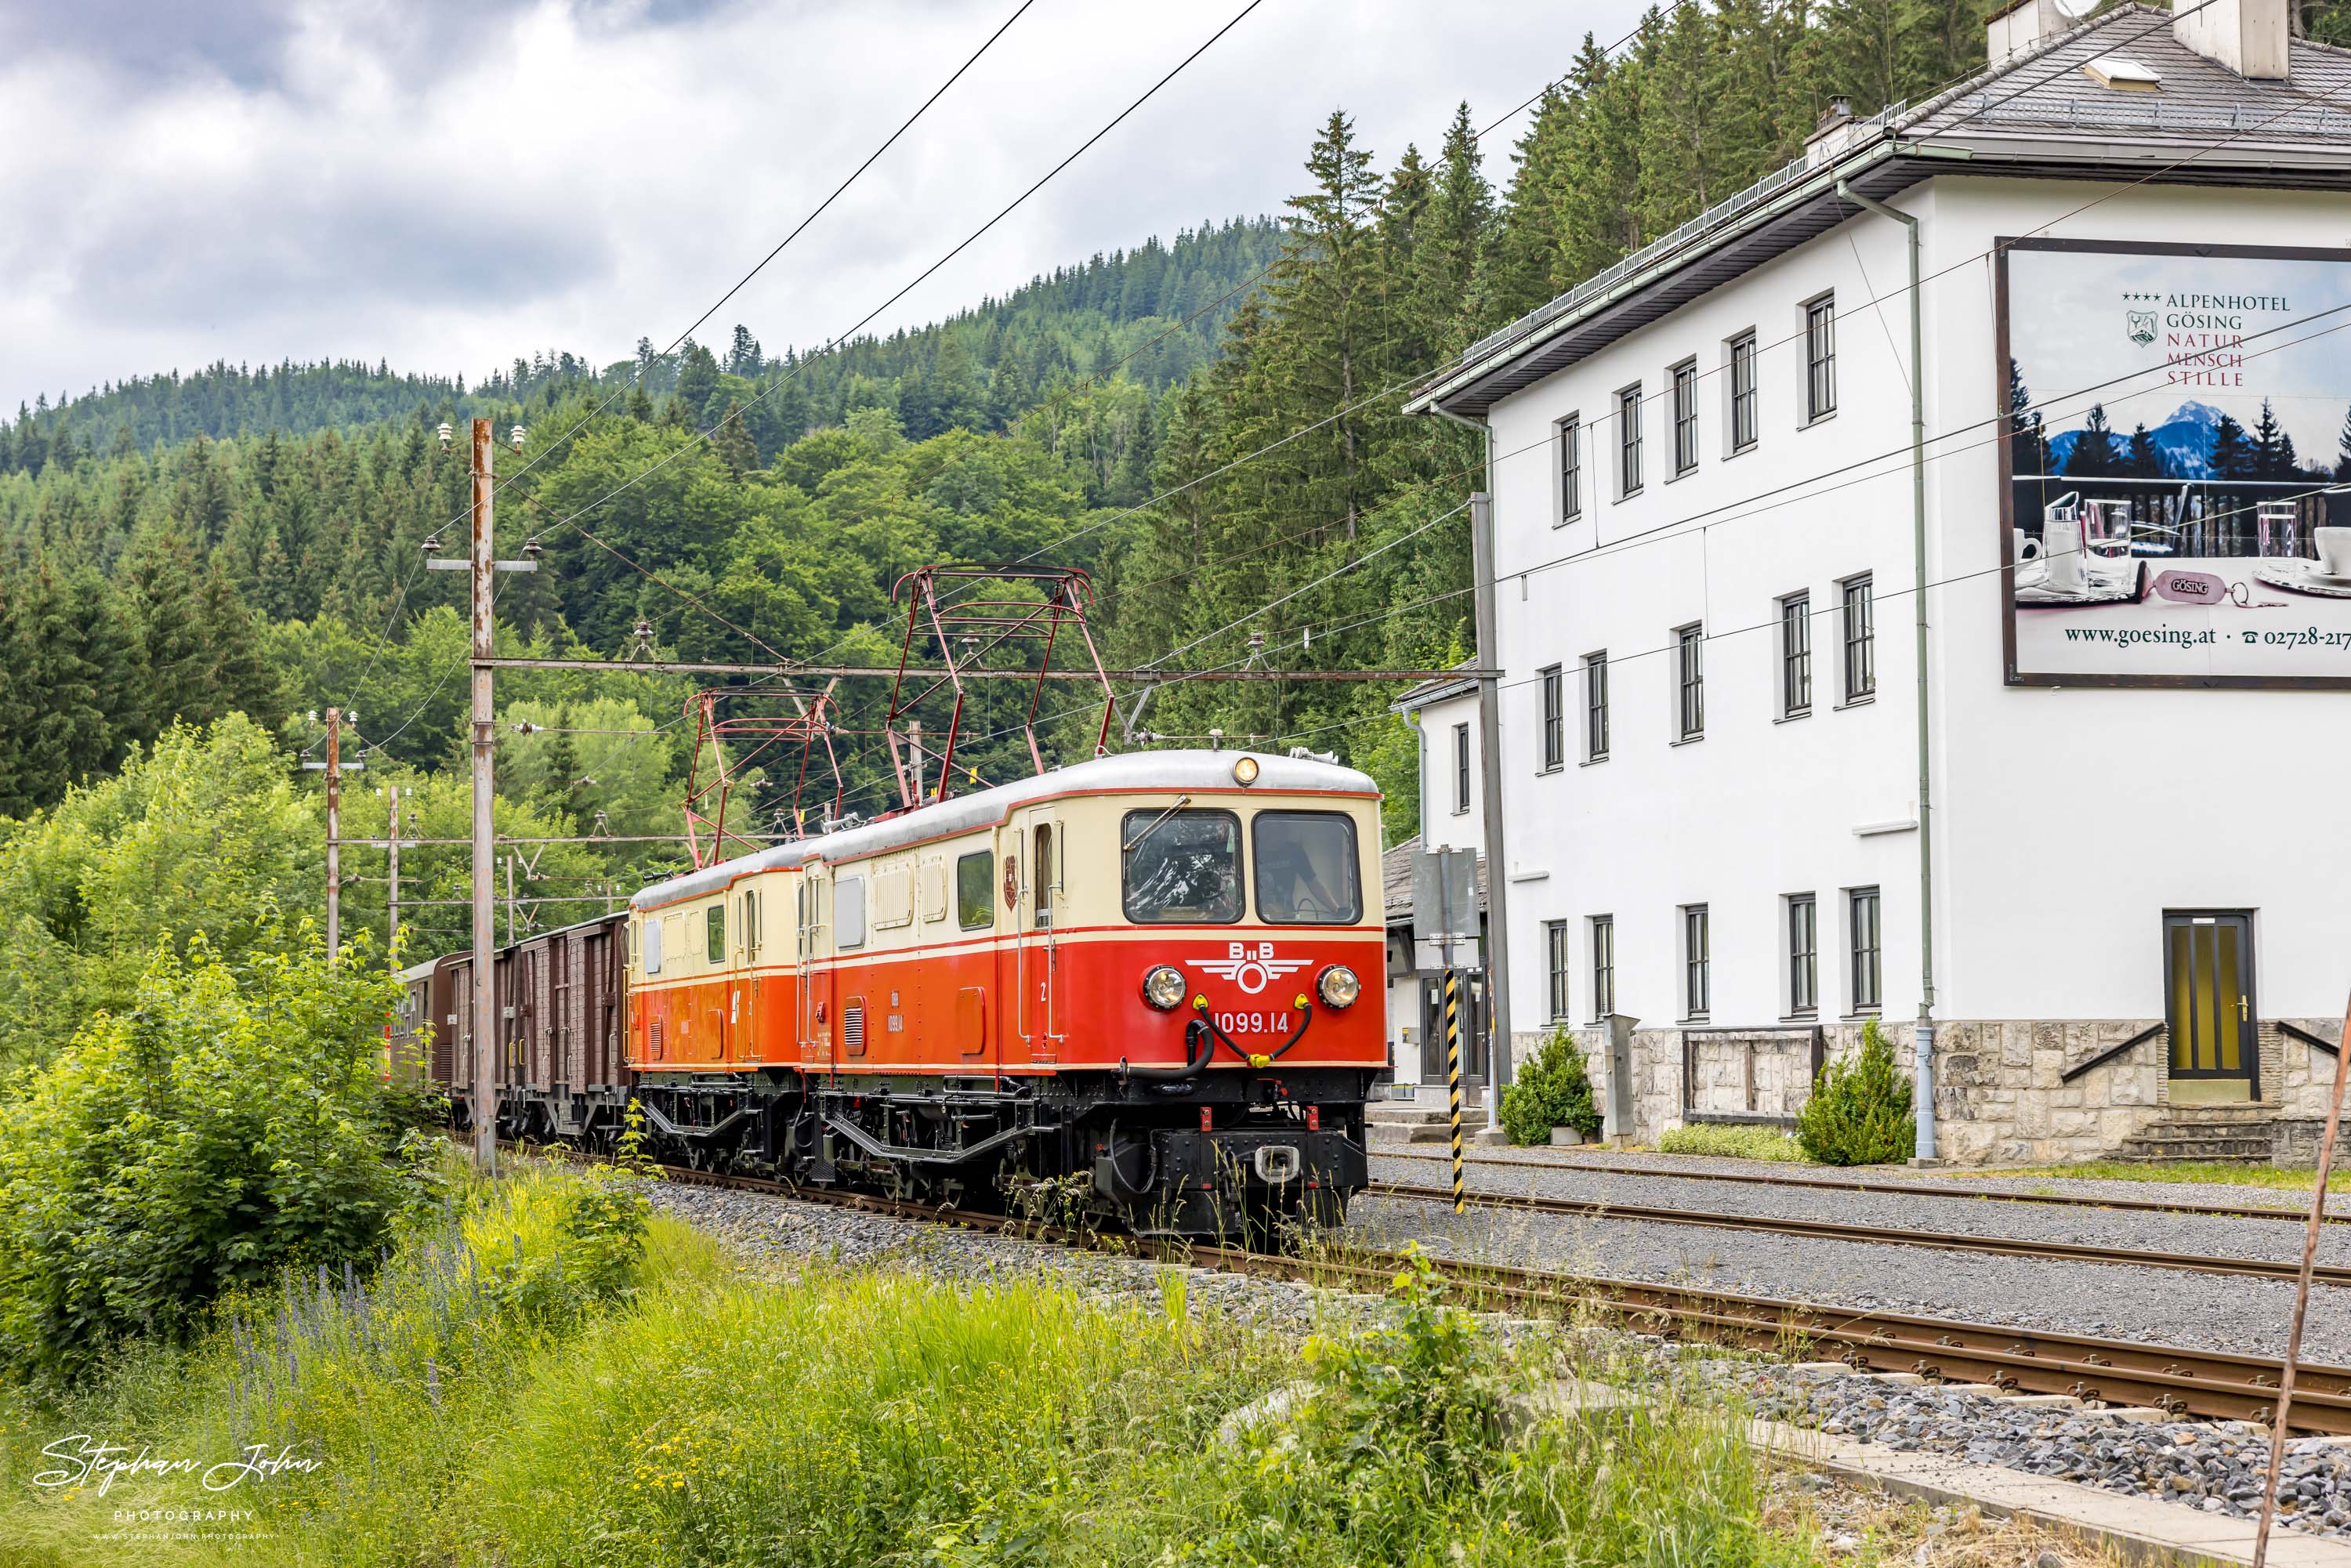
<point>2334,551</point>
<point>2026,548</point>
<point>2061,541</point>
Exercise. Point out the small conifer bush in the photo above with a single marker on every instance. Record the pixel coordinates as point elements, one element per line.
<point>1859,1113</point>
<point>1551,1090</point>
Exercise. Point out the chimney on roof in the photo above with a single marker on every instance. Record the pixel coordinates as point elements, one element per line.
<point>2249,36</point>
<point>1833,133</point>
<point>2021,25</point>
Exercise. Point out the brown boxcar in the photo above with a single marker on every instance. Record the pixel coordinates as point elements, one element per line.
<point>559,1066</point>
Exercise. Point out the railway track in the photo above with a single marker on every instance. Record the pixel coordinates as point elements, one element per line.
<point>1900,1188</point>
<point>2210,1383</point>
<point>1875,1235</point>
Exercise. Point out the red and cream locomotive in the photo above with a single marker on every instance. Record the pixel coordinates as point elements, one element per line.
<point>1141,977</point>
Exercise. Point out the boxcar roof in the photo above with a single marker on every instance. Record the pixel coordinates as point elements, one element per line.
<point>1154,770</point>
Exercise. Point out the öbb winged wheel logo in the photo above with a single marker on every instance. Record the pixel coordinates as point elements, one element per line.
<point>1252,969</point>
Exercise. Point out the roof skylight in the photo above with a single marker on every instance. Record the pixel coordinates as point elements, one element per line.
<point>2123,74</point>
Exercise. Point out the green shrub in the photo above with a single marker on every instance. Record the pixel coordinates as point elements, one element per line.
<point>1859,1113</point>
<point>1737,1142</point>
<point>231,1122</point>
<point>1550,1089</point>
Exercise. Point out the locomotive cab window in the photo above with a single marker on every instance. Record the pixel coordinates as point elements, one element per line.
<point>1181,868</point>
<point>975,890</point>
<point>1306,869</point>
<point>714,919</point>
<point>651,941</point>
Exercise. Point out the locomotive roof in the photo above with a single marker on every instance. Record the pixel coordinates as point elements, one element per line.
<point>1158,770</point>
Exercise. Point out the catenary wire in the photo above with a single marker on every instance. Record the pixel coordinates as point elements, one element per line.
<point>570,519</point>
<point>819,210</point>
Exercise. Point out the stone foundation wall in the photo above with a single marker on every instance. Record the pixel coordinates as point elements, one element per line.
<point>2002,1090</point>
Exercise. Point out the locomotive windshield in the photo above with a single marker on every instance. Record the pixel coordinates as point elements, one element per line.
<point>1181,867</point>
<point>1306,869</point>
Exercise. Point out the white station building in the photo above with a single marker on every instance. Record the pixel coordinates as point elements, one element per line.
<point>1733,798</point>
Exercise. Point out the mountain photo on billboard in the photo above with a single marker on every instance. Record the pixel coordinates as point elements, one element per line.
<point>2179,424</point>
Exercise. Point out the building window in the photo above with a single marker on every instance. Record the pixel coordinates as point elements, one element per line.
<point>1571,469</point>
<point>1861,915</point>
<point>1860,639</point>
<point>1696,963</point>
<point>1595,706</point>
<point>1804,955</point>
<point>1742,391</point>
<point>1604,966</point>
<point>1555,949</point>
<point>1460,768</point>
<point>1795,655</point>
<point>1554,717</point>
<point>1629,440</point>
<point>1689,645</point>
<point>1820,358</point>
<point>1684,418</point>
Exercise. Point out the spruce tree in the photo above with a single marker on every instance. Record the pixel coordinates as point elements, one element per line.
<point>735,448</point>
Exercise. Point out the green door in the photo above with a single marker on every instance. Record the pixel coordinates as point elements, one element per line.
<point>2209,979</point>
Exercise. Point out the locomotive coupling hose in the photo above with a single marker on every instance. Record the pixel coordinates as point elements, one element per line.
<point>1259,1059</point>
<point>1200,1045</point>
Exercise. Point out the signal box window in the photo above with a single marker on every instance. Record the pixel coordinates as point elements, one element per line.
<point>975,890</point>
<point>1306,869</point>
<point>1181,868</point>
<point>714,919</point>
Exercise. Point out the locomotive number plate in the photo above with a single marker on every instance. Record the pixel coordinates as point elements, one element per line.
<point>1257,1023</point>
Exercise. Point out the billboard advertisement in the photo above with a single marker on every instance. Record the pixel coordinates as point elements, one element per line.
<point>2179,429</point>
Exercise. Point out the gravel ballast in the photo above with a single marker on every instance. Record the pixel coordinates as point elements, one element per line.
<point>1959,1183</point>
<point>2167,1306</point>
<point>2130,1230</point>
<point>2218,1467</point>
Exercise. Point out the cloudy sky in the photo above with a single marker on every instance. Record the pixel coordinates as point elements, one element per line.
<point>446,185</point>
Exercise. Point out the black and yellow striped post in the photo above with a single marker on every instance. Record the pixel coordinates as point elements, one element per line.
<point>1453,1073</point>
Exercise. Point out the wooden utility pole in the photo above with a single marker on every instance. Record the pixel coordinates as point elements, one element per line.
<point>391,900</point>
<point>484,1107</point>
<point>334,834</point>
<point>334,768</point>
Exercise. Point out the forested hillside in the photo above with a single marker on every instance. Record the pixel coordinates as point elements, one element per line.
<point>979,369</point>
<point>271,562</point>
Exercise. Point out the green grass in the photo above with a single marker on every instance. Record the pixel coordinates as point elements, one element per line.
<point>2214,1172</point>
<point>494,1397</point>
<point>1742,1142</point>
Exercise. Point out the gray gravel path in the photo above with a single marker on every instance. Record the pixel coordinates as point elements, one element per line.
<point>2186,1193</point>
<point>2204,1236</point>
<point>2164,1306</point>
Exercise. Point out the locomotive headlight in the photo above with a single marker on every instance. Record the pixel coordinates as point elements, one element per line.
<point>1339,986</point>
<point>1245,772</point>
<point>1163,987</point>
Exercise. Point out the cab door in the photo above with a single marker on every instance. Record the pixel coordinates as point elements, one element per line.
<point>1042,890</point>
<point>813,1022</point>
<point>743,985</point>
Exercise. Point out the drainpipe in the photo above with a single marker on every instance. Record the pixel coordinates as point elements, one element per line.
<point>1490,722</point>
<point>1924,1096</point>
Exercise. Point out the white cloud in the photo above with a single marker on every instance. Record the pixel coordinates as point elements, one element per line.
<point>444,188</point>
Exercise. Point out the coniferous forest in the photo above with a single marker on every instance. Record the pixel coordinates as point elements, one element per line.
<point>1204,425</point>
